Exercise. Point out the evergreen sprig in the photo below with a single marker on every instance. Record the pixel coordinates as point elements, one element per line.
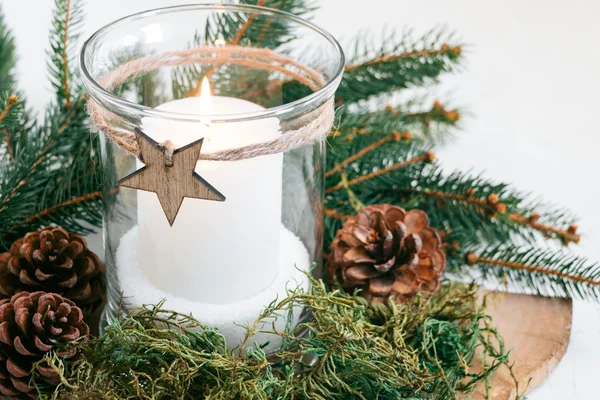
<point>369,166</point>
<point>246,29</point>
<point>435,122</point>
<point>374,156</point>
<point>401,62</point>
<point>542,271</point>
<point>50,168</point>
<point>50,171</point>
<point>67,19</point>
<point>7,56</point>
<point>255,29</point>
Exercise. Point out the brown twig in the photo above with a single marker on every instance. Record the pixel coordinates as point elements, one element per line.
<point>437,110</point>
<point>567,236</point>
<point>491,202</point>
<point>238,36</point>
<point>12,100</point>
<point>360,131</point>
<point>7,139</point>
<point>246,25</point>
<point>420,53</point>
<point>473,258</point>
<point>336,214</point>
<point>396,136</point>
<point>429,156</point>
<point>65,58</point>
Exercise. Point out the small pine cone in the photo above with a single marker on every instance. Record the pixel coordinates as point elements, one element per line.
<point>54,261</point>
<point>386,251</point>
<point>31,324</point>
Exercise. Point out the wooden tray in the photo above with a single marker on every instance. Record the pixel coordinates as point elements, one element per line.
<point>537,329</point>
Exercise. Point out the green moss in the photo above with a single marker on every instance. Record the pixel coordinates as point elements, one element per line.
<point>420,350</point>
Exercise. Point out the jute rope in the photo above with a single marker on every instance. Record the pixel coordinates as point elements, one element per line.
<point>265,59</point>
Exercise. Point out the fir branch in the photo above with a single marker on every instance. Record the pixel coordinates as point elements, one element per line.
<point>10,121</point>
<point>488,212</point>
<point>12,100</point>
<point>34,166</point>
<point>65,64</point>
<point>7,56</point>
<point>500,209</point>
<point>67,19</point>
<point>236,39</point>
<point>543,271</point>
<point>253,28</point>
<point>395,135</point>
<point>435,122</point>
<point>395,57</point>
<point>50,180</point>
<point>58,208</point>
<point>489,204</point>
<point>399,64</point>
<point>240,33</point>
<point>438,113</point>
<point>425,157</point>
<point>567,236</point>
<point>471,204</point>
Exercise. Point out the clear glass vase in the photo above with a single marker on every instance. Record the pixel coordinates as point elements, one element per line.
<point>222,261</point>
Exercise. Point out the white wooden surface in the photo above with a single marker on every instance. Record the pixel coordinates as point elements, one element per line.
<point>531,85</point>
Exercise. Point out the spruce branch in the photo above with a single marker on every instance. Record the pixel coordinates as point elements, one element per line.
<point>543,271</point>
<point>566,236</point>
<point>7,56</point>
<point>240,33</point>
<point>236,39</point>
<point>490,204</point>
<point>9,121</point>
<point>260,31</point>
<point>490,212</point>
<point>68,15</point>
<point>435,122</point>
<point>400,63</point>
<point>411,54</point>
<point>65,66</point>
<point>64,208</point>
<point>12,100</point>
<point>35,162</point>
<point>395,135</point>
<point>425,157</point>
<point>50,180</point>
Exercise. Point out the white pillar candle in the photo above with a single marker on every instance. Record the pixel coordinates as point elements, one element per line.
<point>215,252</point>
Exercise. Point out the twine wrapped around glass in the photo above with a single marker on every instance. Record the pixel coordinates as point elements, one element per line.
<point>225,237</point>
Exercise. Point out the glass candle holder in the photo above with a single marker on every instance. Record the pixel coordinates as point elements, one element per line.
<point>252,83</point>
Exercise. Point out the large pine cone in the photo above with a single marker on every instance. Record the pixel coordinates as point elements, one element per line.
<point>56,261</point>
<point>387,251</point>
<point>31,324</point>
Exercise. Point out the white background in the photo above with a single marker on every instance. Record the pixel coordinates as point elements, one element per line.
<point>531,85</point>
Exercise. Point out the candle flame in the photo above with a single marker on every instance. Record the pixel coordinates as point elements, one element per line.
<point>205,89</point>
<point>205,101</point>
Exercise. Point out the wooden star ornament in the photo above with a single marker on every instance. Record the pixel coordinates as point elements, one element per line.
<point>171,178</point>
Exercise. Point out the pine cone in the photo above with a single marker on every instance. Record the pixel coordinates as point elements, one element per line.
<point>54,261</point>
<point>31,324</point>
<point>387,251</point>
